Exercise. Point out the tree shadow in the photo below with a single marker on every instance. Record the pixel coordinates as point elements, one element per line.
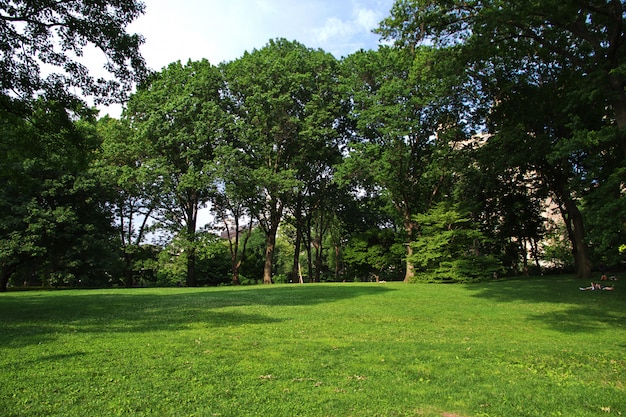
<point>38,317</point>
<point>582,311</point>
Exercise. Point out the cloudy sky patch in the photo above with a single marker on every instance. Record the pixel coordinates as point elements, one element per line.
<point>222,30</point>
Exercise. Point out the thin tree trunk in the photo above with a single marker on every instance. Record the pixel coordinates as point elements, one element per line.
<point>192,217</point>
<point>309,254</point>
<point>269,255</point>
<point>318,259</point>
<point>295,270</point>
<point>535,253</point>
<point>128,261</point>
<point>524,248</point>
<point>191,268</point>
<point>336,262</point>
<point>410,228</point>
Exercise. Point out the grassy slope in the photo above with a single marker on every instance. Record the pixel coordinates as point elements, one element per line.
<point>536,347</point>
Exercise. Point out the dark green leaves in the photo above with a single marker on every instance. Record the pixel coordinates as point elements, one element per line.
<point>56,34</point>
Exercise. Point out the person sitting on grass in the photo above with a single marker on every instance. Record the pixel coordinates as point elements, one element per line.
<point>596,286</point>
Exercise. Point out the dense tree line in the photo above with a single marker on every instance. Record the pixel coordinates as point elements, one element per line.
<point>486,138</point>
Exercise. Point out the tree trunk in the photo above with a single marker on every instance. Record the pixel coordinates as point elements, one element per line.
<point>319,260</point>
<point>576,233</point>
<point>192,216</point>
<point>337,262</point>
<point>309,253</point>
<point>524,248</point>
<point>271,228</point>
<point>535,253</point>
<point>269,254</point>
<point>5,274</point>
<point>295,270</point>
<point>577,236</point>
<point>410,227</point>
<point>128,260</point>
<point>191,268</point>
<point>573,220</point>
<point>409,273</point>
<point>235,276</point>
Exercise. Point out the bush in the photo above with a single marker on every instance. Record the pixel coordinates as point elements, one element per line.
<point>449,248</point>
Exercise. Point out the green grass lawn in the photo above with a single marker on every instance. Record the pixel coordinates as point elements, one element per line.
<point>531,347</point>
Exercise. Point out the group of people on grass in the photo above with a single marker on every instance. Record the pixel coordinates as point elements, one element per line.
<point>597,286</point>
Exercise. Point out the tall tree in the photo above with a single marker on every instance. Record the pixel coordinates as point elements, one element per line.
<point>135,195</point>
<point>402,131</point>
<point>54,220</point>
<point>547,48</point>
<point>232,202</point>
<point>179,116</point>
<point>283,93</point>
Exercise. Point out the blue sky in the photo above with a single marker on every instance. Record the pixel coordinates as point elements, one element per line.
<point>222,30</point>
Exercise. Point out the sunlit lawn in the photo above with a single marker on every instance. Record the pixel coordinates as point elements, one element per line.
<point>534,347</point>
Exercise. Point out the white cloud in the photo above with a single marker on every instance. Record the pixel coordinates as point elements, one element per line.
<point>353,30</point>
<point>222,30</point>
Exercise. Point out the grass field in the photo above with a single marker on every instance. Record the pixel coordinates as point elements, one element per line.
<point>531,347</point>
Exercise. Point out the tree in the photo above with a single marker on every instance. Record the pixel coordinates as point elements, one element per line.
<point>55,225</point>
<point>404,120</point>
<point>588,37</point>
<point>375,253</point>
<point>282,93</point>
<point>573,50</point>
<point>547,141</point>
<point>506,202</point>
<point>180,118</point>
<point>121,166</point>
<point>231,202</point>
<point>449,248</point>
<point>41,36</point>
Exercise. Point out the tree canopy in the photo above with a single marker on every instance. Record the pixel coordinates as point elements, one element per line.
<point>485,138</point>
<point>549,71</point>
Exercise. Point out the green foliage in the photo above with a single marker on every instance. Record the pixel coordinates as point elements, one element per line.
<point>55,228</point>
<point>212,261</point>
<point>354,155</point>
<point>557,249</point>
<point>449,248</point>
<point>605,217</point>
<point>53,35</point>
<point>374,254</point>
<point>404,117</point>
<point>179,116</point>
<point>555,97</point>
<point>287,102</point>
<point>133,187</point>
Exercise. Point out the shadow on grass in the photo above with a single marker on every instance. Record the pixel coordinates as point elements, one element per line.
<point>37,317</point>
<point>581,311</point>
